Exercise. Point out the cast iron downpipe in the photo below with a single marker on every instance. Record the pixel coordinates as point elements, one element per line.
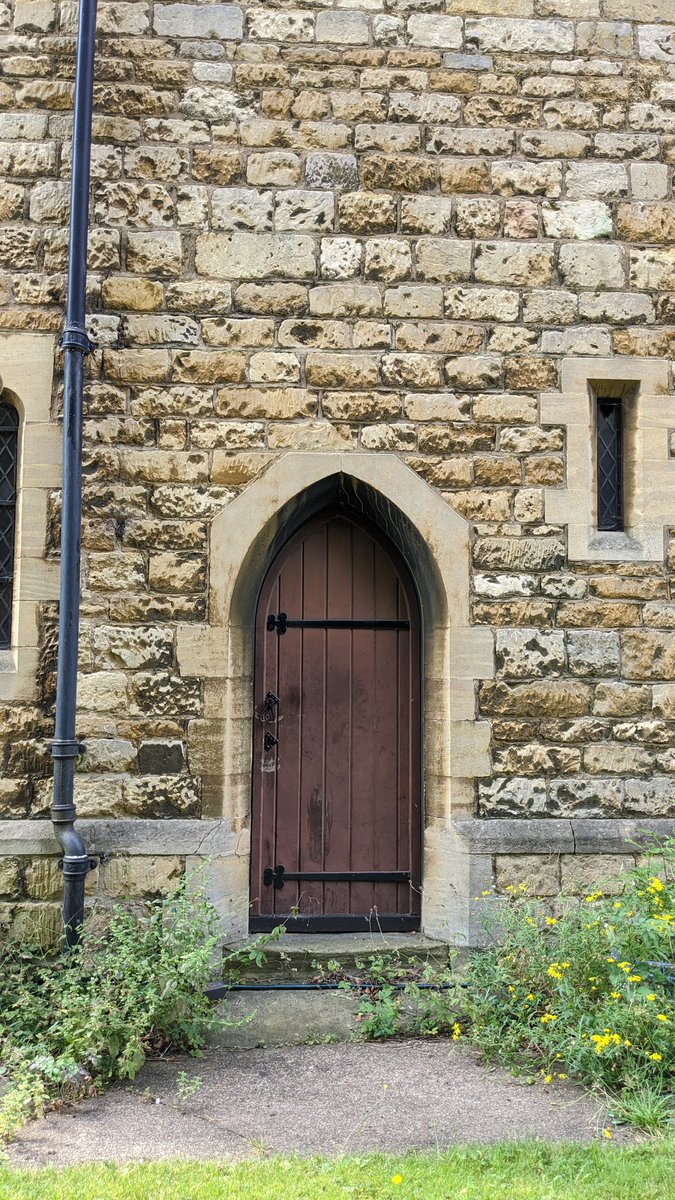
<point>76,344</point>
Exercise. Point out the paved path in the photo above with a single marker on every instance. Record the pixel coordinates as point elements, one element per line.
<point>328,1099</point>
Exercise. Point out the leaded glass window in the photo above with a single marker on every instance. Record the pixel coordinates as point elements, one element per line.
<point>610,465</point>
<point>9,448</point>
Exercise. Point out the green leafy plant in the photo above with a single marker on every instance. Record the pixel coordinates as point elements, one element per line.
<point>133,987</point>
<point>395,1004</point>
<point>586,994</point>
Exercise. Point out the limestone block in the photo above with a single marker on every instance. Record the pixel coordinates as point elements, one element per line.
<point>277,27</point>
<point>41,15</point>
<point>10,878</point>
<point>530,653</point>
<point>388,259</point>
<point>114,755</point>
<point>426,214</point>
<point>474,372</point>
<point>424,107</point>
<point>582,874</point>
<point>492,34</point>
<point>208,366</point>
<point>344,27</point>
<point>590,266</point>
<point>336,300</point>
<point>478,218</point>
<point>620,308</point>
<point>482,304</point>
<point>443,33</point>
<point>593,653</point>
<point>160,694</point>
<point>255,256</point>
<point>102,691</point>
<point>116,572</point>
<point>653,269</point>
<point>342,370</point>
<point>548,698</point>
<point>443,260</point>
<point>222,21</point>
<point>274,367</point>
<point>527,179</point>
<point>583,220</point>
<point>649,181</point>
<point>653,797</point>
<point>615,758</point>
<point>161,756</point>
<point>541,873</point>
<point>303,210</point>
<point>648,655</point>
<point>512,798</point>
<point>155,253</point>
<point>639,10</point>
<point>361,212</point>
<point>657,42</point>
<point>529,554</point>
<point>593,180</point>
<point>402,173</point>
<point>143,876</point>
<point>327,171</point>
<point>528,264</point>
<point>586,797</point>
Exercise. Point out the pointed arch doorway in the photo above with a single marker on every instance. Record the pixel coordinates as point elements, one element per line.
<point>336,803</point>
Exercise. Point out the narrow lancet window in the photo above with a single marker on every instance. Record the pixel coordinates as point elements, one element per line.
<point>609,425</point>
<point>9,447</point>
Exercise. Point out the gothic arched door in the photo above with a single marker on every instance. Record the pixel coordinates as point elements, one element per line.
<point>336,820</point>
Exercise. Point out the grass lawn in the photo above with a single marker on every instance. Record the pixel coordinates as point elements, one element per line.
<point>506,1172</point>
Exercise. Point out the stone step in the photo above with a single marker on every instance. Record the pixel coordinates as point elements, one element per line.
<point>326,957</point>
<point>285,1019</point>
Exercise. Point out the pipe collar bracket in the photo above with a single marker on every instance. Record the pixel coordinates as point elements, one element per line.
<point>65,748</point>
<point>75,337</point>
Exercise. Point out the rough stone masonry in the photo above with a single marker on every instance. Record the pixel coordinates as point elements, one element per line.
<point>368,225</point>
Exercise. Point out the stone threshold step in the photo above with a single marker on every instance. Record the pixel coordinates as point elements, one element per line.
<point>304,957</point>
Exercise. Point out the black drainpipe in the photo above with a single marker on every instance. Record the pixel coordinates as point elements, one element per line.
<point>76,344</point>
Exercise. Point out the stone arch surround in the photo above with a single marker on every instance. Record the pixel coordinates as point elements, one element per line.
<point>434,540</point>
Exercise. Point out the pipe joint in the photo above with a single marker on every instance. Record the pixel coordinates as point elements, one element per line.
<point>65,748</point>
<point>75,337</point>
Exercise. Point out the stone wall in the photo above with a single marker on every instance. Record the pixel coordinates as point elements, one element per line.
<point>374,225</point>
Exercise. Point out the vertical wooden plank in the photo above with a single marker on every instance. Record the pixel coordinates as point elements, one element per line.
<point>338,714</point>
<point>313,717</point>
<point>289,729</point>
<point>385,798</point>
<point>363,765</point>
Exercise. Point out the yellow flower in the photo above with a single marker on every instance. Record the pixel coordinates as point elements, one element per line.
<point>530,921</point>
<point>651,996</point>
<point>397,1179</point>
<point>562,1075</point>
<point>548,1079</point>
<point>456,1032</point>
<point>511,988</point>
<point>611,960</point>
<point>548,1017</point>
<point>617,904</point>
<point>661,1017</point>
<point>625,966</point>
<point>530,995</point>
<point>551,921</point>
<point>655,1057</point>
<point>486,892</point>
<point>655,884</point>
<point>607,1133</point>
<point>615,995</point>
<point>635,979</point>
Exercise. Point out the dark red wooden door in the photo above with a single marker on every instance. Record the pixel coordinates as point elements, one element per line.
<point>336,744</point>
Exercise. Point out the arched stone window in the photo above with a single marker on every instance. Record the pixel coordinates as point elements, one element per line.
<point>9,453</point>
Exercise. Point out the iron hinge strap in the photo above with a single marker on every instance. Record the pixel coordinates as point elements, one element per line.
<point>277,876</point>
<point>282,623</point>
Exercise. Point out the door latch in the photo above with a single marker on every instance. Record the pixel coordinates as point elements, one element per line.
<point>266,710</point>
<point>269,741</point>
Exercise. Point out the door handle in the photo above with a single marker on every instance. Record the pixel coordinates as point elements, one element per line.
<point>267,710</point>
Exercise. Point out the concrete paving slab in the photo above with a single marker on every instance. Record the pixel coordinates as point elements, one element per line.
<point>332,1100</point>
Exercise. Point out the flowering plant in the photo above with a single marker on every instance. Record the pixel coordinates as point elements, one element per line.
<point>588,992</point>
